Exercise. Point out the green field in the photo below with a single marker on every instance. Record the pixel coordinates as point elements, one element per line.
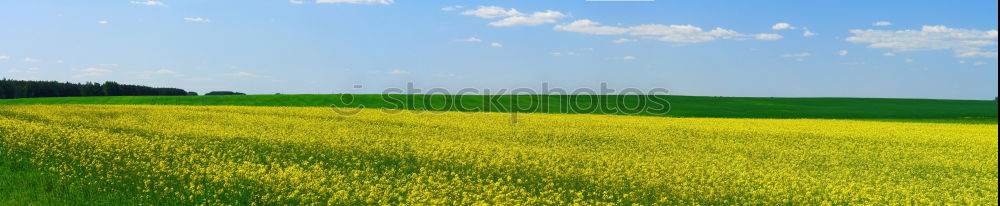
<point>913,110</point>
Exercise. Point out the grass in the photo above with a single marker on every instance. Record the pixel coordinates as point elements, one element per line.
<point>232,155</point>
<point>22,184</point>
<point>907,110</point>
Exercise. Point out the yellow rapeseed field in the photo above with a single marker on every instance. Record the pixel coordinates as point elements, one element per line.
<point>192,155</point>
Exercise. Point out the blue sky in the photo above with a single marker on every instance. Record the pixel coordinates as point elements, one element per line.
<point>909,49</point>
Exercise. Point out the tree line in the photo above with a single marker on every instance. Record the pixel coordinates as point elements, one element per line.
<point>12,89</point>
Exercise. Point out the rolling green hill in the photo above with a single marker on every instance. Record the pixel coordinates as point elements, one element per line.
<point>923,110</point>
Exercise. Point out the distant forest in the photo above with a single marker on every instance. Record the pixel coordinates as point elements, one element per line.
<point>12,89</point>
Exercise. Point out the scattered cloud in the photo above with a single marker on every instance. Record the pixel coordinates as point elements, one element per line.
<point>298,2</point>
<point>103,22</point>
<point>587,26</point>
<point>492,12</point>
<point>979,63</point>
<point>783,26</point>
<point>398,72</point>
<point>629,58</point>
<point>882,23</point>
<point>965,43</point>
<point>452,8</point>
<point>889,54</point>
<point>4,57</point>
<point>60,61</point>
<point>804,54</point>
<point>623,40</point>
<point>807,33</point>
<point>571,53</point>
<point>470,39</point>
<point>908,60</point>
<point>769,37</point>
<point>512,17</point>
<point>496,44</point>
<point>244,74</point>
<point>197,19</point>
<point>666,33</point>
<point>537,18</point>
<point>92,71</point>
<point>32,70</point>
<point>149,3</point>
<point>31,60</point>
<point>842,53</point>
<point>383,2</point>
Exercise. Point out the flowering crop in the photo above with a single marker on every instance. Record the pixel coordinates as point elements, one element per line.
<point>285,155</point>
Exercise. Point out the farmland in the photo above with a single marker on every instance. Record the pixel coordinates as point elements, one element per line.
<point>908,110</point>
<point>135,154</point>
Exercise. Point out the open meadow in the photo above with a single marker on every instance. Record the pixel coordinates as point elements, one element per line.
<point>243,155</point>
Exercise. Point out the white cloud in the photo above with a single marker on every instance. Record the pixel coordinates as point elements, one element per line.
<point>512,17</point>
<point>92,71</point>
<point>299,2</point>
<point>564,54</point>
<point>965,43</point>
<point>667,33</point>
<point>244,74</point>
<point>31,60</point>
<point>908,60</point>
<point>197,19</point>
<point>807,33</point>
<point>975,52</point>
<point>889,54</point>
<point>624,40</point>
<point>782,26</point>
<point>804,54</point>
<point>492,12</point>
<point>979,63</point>
<point>769,37</point>
<point>33,70</point>
<point>537,18</point>
<point>452,8</point>
<point>398,72</point>
<point>843,53</point>
<point>882,23</point>
<point>629,58</point>
<point>4,57</point>
<point>496,44</point>
<point>587,26</point>
<point>470,39</point>
<point>149,3</point>
<point>383,2</point>
<point>103,22</point>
